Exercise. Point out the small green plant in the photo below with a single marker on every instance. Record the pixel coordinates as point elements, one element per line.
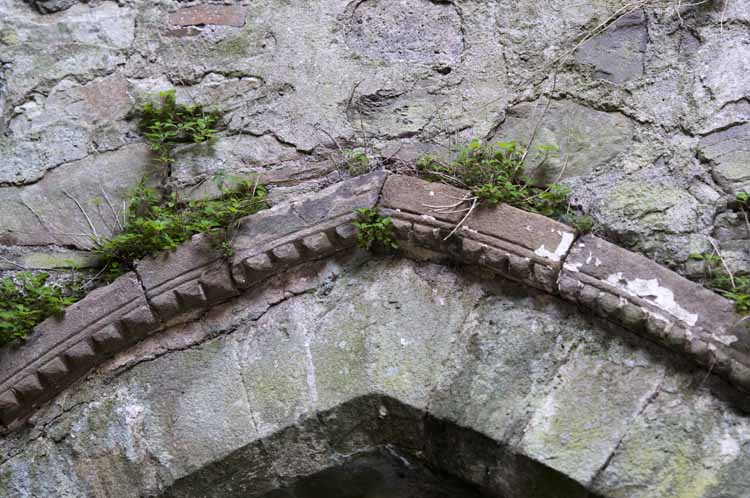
<point>718,278</point>
<point>357,161</point>
<point>26,300</point>
<point>374,230</point>
<point>166,124</point>
<point>583,223</point>
<point>743,204</point>
<point>153,223</point>
<point>495,174</point>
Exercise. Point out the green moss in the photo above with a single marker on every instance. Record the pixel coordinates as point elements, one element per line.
<point>61,260</point>
<point>637,198</point>
<point>8,37</point>
<point>241,45</point>
<point>100,418</point>
<point>6,477</point>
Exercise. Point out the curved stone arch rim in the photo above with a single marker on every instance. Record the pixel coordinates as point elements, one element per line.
<point>174,287</point>
<point>439,443</point>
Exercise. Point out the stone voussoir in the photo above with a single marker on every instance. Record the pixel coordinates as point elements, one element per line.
<point>519,245</point>
<point>622,286</point>
<point>191,278</point>
<point>659,304</point>
<point>62,349</point>
<point>307,229</point>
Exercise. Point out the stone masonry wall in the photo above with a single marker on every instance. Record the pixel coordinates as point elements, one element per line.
<point>651,117</point>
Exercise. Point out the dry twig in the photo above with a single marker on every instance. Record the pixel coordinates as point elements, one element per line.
<point>83,211</point>
<point>723,262</point>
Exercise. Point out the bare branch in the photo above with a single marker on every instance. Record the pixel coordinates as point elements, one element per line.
<point>475,202</point>
<point>723,262</point>
<point>83,211</point>
<point>114,213</point>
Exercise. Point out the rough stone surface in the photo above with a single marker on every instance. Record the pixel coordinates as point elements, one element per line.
<point>648,298</point>
<point>587,139</point>
<point>46,212</point>
<point>618,55</point>
<point>729,152</point>
<point>553,393</point>
<point>650,116</point>
<point>623,286</point>
<point>187,280</point>
<point>63,348</point>
<point>310,227</point>
<point>640,102</point>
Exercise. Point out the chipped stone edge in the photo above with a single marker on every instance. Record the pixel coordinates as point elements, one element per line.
<point>211,283</point>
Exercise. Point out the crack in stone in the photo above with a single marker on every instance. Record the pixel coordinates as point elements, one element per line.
<point>649,400</point>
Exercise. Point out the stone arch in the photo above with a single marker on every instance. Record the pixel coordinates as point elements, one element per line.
<point>176,287</point>
<point>273,467</point>
<point>568,399</point>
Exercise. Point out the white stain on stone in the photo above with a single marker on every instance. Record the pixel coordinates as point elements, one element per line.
<point>662,297</point>
<point>730,447</point>
<point>566,241</point>
<point>428,217</point>
<point>572,267</point>
<point>726,340</point>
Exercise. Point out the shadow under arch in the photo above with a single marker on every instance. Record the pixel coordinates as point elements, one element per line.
<point>307,459</point>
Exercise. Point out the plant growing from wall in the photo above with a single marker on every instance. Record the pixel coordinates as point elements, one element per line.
<point>494,174</point>
<point>743,204</point>
<point>718,278</point>
<point>27,299</point>
<point>153,223</point>
<point>374,230</point>
<point>357,162</point>
<point>166,124</point>
<point>717,274</point>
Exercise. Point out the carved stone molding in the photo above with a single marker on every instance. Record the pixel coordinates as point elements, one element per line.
<point>176,286</point>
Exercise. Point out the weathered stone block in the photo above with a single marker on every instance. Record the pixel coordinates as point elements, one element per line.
<point>59,350</point>
<point>646,297</point>
<point>221,15</point>
<point>190,296</point>
<point>542,236</point>
<point>80,357</point>
<point>347,233</point>
<point>54,372</point>
<point>287,254</point>
<point>10,407</point>
<point>191,277</point>
<point>341,199</point>
<point>287,234</point>
<point>108,339</point>
<point>29,388</point>
<point>317,244</point>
